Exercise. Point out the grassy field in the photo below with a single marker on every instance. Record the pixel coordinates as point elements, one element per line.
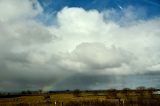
<point>92,98</point>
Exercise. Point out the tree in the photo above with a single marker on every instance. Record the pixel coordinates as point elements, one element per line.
<point>76,92</point>
<point>141,92</point>
<point>112,93</point>
<point>95,93</point>
<point>141,88</point>
<point>26,92</point>
<point>126,92</point>
<point>150,91</point>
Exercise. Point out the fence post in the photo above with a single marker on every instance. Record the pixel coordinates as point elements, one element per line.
<point>55,103</point>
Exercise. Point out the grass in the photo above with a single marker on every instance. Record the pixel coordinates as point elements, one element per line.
<point>105,98</point>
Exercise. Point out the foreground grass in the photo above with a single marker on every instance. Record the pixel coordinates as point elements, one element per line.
<point>107,98</point>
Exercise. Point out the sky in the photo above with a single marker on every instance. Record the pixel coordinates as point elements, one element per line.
<point>79,44</point>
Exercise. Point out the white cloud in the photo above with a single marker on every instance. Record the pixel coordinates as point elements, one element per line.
<point>140,39</point>
<point>81,41</point>
<point>127,16</point>
<point>19,9</point>
<point>97,56</point>
<point>21,42</point>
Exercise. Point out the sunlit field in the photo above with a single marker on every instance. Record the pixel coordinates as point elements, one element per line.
<point>111,97</point>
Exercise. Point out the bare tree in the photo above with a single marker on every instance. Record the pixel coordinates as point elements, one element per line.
<point>76,92</point>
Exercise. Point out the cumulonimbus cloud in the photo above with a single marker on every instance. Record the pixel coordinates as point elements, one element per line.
<point>35,56</point>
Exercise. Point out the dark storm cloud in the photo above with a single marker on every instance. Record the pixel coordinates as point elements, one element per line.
<point>86,81</point>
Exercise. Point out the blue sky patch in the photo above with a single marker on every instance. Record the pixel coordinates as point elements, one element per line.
<point>51,7</point>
